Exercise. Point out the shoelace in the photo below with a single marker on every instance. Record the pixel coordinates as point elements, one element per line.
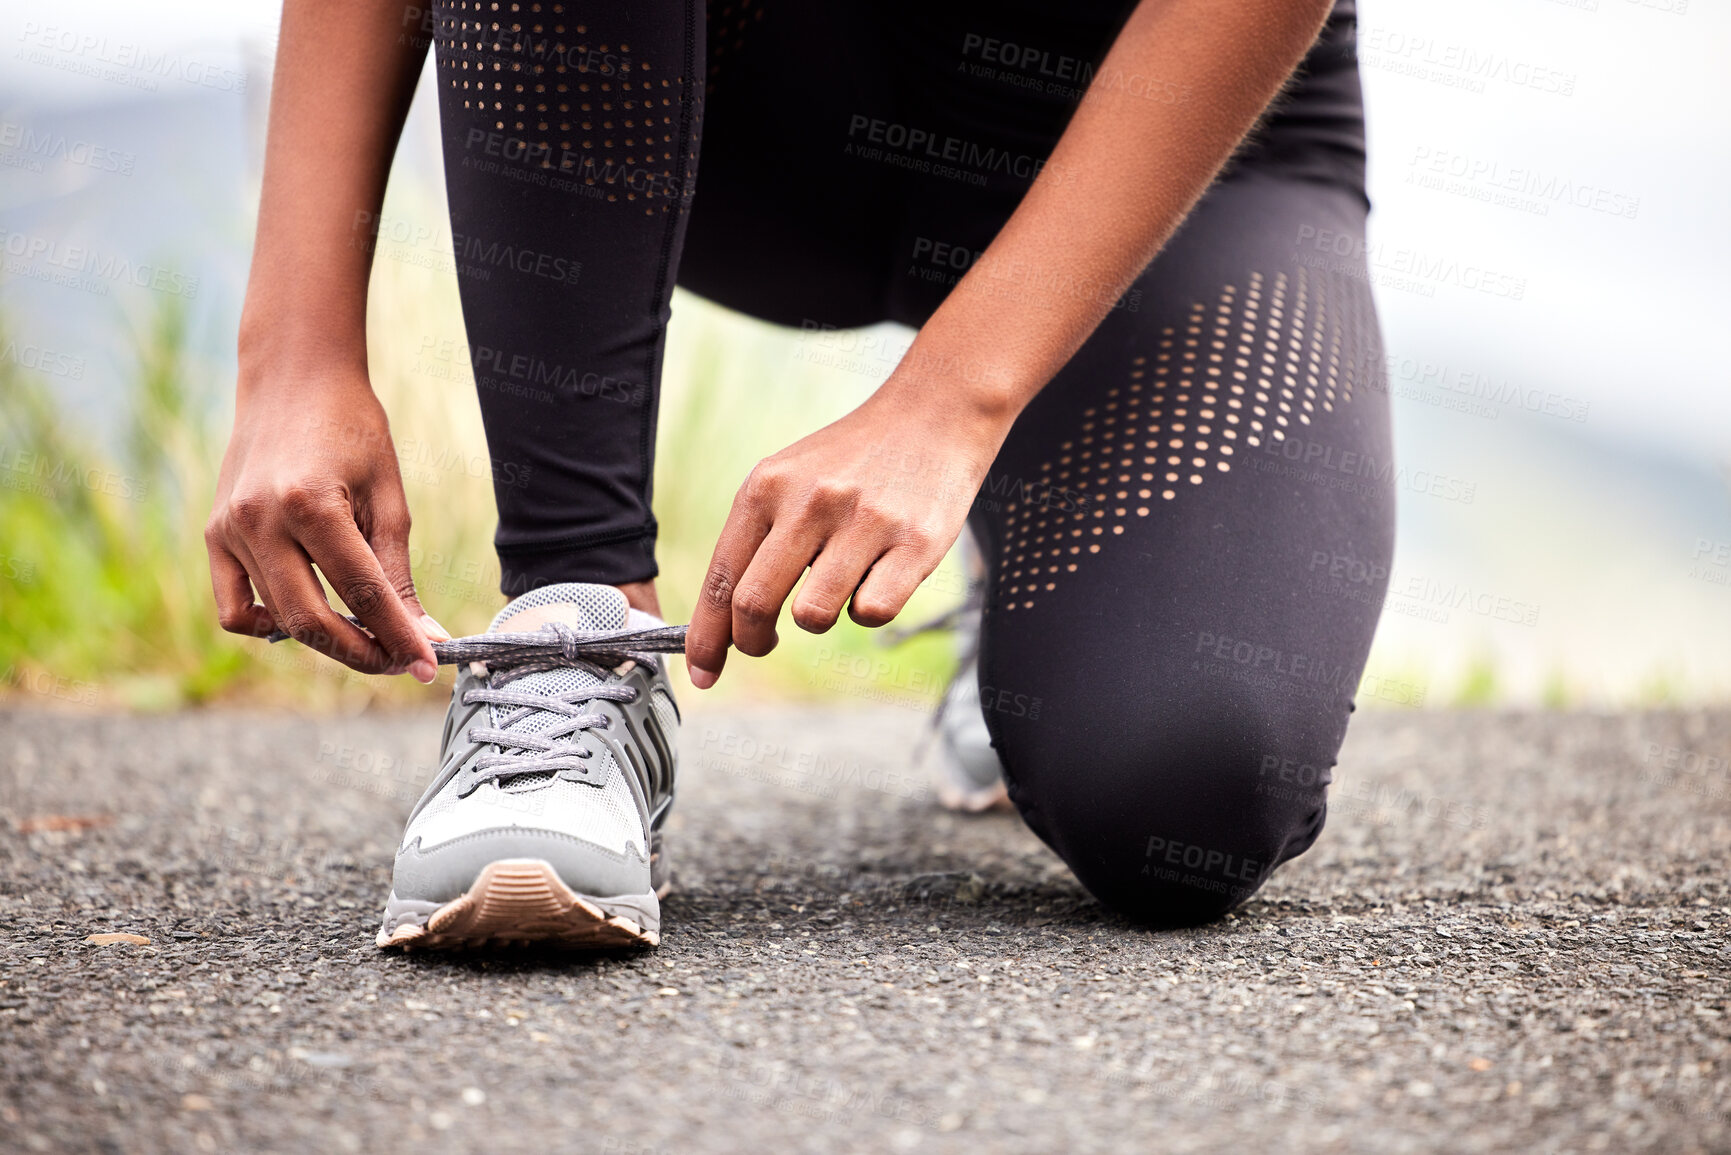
<point>555,646</point>
<point>510,656</point>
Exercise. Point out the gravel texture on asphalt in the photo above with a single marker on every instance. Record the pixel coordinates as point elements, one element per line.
<point>1511,937</point>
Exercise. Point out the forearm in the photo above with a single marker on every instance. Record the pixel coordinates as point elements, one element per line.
<point>345,73</point>
<point>1122,177</point>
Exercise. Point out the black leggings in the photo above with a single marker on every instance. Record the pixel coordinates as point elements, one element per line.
<point>1188,531</point>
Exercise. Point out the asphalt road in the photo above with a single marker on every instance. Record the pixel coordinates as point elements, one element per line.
<point>1512,937</point>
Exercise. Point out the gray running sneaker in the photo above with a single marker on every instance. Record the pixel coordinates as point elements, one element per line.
<point>972,777</point>
<point>556,774</point>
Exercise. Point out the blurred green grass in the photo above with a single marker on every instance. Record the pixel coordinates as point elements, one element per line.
<point>103,577</point>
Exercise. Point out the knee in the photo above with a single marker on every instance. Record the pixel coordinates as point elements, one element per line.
<point>1178,828</point>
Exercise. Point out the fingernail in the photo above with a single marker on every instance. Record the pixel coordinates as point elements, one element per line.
<point>433,630</point>
<point>700,677</point>
<point>424,671</point>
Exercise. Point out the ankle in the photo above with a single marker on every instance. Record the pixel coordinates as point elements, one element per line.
<point>641,596</point>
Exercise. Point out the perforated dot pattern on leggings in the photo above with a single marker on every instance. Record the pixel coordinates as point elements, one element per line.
<point>728,22</point>
<point>1262,360</point>
<point>566,100</point>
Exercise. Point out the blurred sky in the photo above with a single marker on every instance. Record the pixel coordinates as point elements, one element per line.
<point>1581,149</point>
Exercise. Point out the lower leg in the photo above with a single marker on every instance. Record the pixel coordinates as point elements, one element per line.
<point>641,596</point>
<point>569,169</point>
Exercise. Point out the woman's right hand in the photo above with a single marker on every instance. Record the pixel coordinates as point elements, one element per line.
<point>310,478</point>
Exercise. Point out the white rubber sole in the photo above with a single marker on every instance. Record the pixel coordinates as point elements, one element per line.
<point>521,901</point>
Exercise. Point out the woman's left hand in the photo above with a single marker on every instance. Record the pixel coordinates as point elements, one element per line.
<point>871,503</point>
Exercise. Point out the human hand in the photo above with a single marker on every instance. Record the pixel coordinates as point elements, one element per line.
<point>870,503</point>
<point>321,488</point>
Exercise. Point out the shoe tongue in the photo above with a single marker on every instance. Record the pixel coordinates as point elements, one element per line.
<point>580,605</point>
<point>577,604</point>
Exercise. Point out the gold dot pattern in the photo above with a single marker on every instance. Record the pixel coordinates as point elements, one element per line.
<point>1258,363</point>
<point>727,24</point>
<point>579,103</point>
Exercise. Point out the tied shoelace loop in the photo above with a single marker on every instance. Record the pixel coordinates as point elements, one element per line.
<point>508,657</point>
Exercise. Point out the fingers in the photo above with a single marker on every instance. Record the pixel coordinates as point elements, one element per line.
<point>298,601</point>
<point>892,581</point>
<point>235,608</point>
<point>835,574</point>
<point>711,629</point>
<point>336,546</point>
<point>867,543</point>
<point>771,576</point>
<point>276,540</point>
<point>256,573</point>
